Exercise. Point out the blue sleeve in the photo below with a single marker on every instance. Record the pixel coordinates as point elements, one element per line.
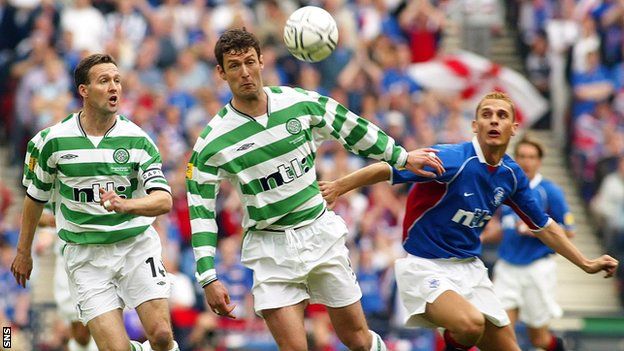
<point>451,160</point>
<point>558,208</point>
<point>524,203</point>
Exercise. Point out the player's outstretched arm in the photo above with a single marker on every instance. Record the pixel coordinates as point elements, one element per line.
<point>22,264</point>
<point>368,175</point>
<point>555,238</point>
<point>157,202</point>
<point>218,299</point>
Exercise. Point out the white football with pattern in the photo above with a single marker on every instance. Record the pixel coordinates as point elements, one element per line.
<point>311,34</point>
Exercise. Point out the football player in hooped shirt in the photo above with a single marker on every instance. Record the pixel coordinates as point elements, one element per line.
<point>441,282</point>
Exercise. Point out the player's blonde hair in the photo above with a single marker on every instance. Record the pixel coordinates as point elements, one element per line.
<point>497,95</point>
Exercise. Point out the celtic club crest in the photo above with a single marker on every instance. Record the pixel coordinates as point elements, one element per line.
<point>121,156</point>
<point>293,126</point>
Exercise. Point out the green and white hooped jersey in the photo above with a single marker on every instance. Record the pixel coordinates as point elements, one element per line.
<point>272,166</point>
<point>62,163</point>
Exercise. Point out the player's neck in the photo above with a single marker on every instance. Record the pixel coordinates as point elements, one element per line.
<point>95,124</point>
<point>252,106</point>
<point>493,154</point>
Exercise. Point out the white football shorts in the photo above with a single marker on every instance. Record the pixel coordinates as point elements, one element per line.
<point>308,263</point>
<point>103,278</point>
<point>65,305</point>
<point>531,289</point>
<point>421,281</point>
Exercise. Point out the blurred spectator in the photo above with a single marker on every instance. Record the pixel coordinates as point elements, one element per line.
<point>592,85</point>
<point>479,20</point>
<point>14,300</point>
<point>422,24</point>
<point>609,206</point>
<point>588,42</point>
<point>86,24</point>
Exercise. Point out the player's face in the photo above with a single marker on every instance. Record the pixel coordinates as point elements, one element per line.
<point>494,123</point>
<point>103,92</point>
<point>527,157</point>
<point>243,73</point>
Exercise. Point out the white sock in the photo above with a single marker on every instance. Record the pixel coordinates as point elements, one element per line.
<point>137,346</point>
<point>377,344</point>
<point>147,347</point>
<point>73,345</point>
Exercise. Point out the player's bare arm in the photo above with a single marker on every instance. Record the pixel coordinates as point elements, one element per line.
<point>218,299</point>
<point>378,172</point>
<point>22,264</point>
<point>157,202</point>
<point>555,238</point>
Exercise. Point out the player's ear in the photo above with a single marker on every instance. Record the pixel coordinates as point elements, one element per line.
<point>82,90</point>
<point>474,125</point>
<point>514,128</point>
<point>261,61</point>
<point>221,72</point>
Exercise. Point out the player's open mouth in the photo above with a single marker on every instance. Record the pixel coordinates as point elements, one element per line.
<point>113,100</point>
<point>494,133</point>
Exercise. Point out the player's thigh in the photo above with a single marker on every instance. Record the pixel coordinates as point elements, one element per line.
<point>286,326</point>
<point>498,338</point>
<point>109,332</point>
<point>143,276</point>
<point>452,311</point>
<point>155,317</point>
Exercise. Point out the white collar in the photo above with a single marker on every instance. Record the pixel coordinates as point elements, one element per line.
<point>536,180</point>
<point>479,152</point>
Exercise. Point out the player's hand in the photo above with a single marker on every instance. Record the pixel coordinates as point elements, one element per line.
<point>22,267</point>
<point>218,299</point>
<point>419,158</point>
<point>603,263</point>
<point>112,202</point>
<point>330,192</point>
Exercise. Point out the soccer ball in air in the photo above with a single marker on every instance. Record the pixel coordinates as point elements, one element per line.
<point>311,34</point>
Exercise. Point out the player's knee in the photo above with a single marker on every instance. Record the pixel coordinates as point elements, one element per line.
<point>293,345</point>
<point>82,336</point>
<point>160,336</point>
<point>359,340</point>
<point>470,327</point>
<point>541,340</point>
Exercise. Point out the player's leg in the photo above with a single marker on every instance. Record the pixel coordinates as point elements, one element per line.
<point>80,338</point>
<point>155,318</point>
<point>108,331</point>
<point>286,326</point>
<point>463,322</point>
<point>543,338</point>
<point>145,286</point>
<point>350,326</point>
<point>498,338</point>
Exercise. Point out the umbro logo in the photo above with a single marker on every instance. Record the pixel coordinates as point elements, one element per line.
<point>245,146</point>
<point>468,194</point>
<point>161,283</point>
<point>69,156</point>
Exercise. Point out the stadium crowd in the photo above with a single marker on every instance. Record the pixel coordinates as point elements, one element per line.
<point>165,51</point>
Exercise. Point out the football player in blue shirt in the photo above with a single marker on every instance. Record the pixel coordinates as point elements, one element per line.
<point>442,282</point>
<point>525,275</point>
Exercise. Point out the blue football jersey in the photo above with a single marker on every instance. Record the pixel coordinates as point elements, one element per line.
<point>444,216</point>
<point>522,249</point>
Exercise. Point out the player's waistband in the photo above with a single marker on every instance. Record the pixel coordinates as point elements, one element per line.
<point>282,231</point>
<point>448,259</point>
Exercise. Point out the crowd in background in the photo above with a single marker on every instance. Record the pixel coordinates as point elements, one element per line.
<point>164,50</point>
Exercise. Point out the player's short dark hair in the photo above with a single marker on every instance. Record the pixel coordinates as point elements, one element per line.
<point>527,140</point>
<point>81,73</point>
<point>497,95</point>
<point>237,40</point>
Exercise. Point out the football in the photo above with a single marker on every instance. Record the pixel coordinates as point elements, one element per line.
<point>311,34</point>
